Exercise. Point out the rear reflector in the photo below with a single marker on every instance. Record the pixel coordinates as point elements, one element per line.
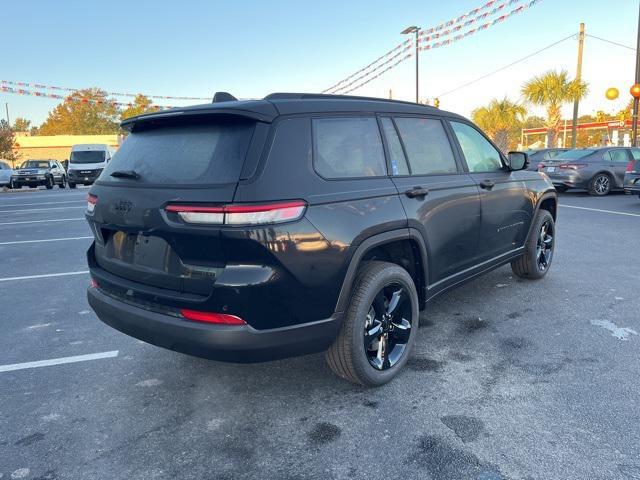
<point>92,200</point>
<point>209,317</point>
<point>238,214</point>
<point>94,283</point>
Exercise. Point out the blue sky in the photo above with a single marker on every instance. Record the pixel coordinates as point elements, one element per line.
<point>251,48</point>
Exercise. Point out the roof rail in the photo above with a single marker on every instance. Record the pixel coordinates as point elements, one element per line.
<point>323,96</point>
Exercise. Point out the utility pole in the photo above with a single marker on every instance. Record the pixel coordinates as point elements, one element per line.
<point>634,117</point>
<point>6,107</point>
<point>574,124</point>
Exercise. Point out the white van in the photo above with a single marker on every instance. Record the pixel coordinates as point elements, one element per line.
<point>87,162</point>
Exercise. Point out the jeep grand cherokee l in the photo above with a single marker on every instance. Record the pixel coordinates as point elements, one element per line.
<point>252,230</point>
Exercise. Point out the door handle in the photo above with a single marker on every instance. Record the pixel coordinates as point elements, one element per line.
<point>416,192</point>
<point>487,184</point>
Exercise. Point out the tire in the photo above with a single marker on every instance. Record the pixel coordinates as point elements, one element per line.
<point>12,185</point>
<point>531,265</point>
<point>600,185</point>
<point>349,357</point>
<point>63,182</point>
<point>562,188</point>
<point>72,185</point>
<point>49,183</point>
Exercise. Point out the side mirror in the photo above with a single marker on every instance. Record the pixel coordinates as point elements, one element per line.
<point>518,160</point>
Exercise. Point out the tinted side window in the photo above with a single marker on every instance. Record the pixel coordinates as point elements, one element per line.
<point>618,156</point>
<point>635,153</point>
<point>348,147</point>
<point>427,146</point>
<point>396,154</point>
<point>480,155</point>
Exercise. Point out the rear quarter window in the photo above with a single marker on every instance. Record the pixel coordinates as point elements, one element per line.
<point>347,147</point>
<point>184,154</point>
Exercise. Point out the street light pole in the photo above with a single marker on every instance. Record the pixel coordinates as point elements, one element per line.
<point>416,30</point>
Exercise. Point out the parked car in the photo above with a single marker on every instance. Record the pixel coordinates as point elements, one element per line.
<point>542,154</point>
<point>87,162</point>
<point>33,173</point>
<point>632,173</point>
<point>302,223</point>
<point>5,174</point>
<point>598,170</point>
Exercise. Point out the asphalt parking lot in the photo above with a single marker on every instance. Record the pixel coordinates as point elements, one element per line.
<point>510,379</point>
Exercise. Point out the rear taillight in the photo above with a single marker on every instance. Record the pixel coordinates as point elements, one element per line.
<point>238,214</point>
<point>92,200</point>
<point>94,283</point>
<point>209,317</point>
<point>572,166</point>
<point>630,166</point>
<point>541,165</point>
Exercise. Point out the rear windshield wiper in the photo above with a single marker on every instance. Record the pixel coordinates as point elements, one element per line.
<point>125,174</point>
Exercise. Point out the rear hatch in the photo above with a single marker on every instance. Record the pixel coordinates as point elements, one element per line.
<point>178,161</point>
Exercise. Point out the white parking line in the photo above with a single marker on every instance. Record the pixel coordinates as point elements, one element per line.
<point>40,209</point>
<point>39,203</point>
<point>43,221</point>
<point>603,211</point>
<point>44,240</point>
<point>39,196</point>
<point>58,361</point>
<point>45,275</point>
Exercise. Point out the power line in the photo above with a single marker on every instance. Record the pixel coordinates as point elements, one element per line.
<point>610,41</point>
<point>505,67</point>
<point>454,22</point>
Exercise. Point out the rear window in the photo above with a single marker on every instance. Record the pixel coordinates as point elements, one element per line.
<point>87,156</point>
<point>348,147</point>
<point>575,154</point>
<point>184,154</point>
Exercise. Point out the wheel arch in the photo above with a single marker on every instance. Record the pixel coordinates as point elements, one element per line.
<point>612,176</point>
<point>549,202</point>
<point>388,242</point>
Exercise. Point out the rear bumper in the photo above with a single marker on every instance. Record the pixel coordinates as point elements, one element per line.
<point>242,344</point>
<point>571,180</point>
<point>632,184</point>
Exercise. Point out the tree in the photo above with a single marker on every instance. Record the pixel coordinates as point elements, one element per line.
<point>502,120</point>
<point>21,125</point>
<point>141,104</point>
<point>551,90</point>
<point>8,146</point>
<point>84,112</point>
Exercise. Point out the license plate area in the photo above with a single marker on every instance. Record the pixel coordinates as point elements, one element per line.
<point>551,169</point>
<point>142,250</point>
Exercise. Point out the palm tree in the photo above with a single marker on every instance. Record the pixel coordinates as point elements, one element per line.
<point>551,90</point>
<point>499,119</point>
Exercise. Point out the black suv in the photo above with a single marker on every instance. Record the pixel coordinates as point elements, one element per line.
<point>252,230</point>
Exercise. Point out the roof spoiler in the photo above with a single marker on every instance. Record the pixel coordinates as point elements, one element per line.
<point>223,97</point>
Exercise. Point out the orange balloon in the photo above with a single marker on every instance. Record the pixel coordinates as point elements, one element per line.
<point>612,93</point>
<point>635,90</point>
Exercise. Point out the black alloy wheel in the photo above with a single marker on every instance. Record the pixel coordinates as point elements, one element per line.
<point>388,327</point>
<point>544,249</point>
